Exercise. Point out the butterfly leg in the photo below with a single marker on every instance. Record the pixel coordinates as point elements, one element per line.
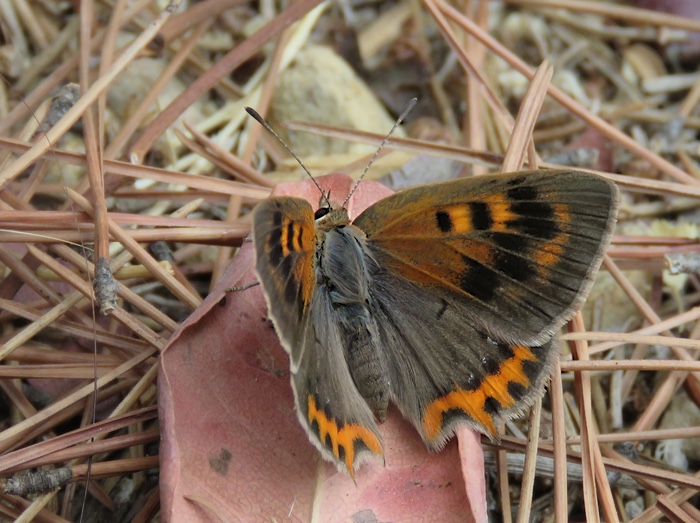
<point>244,287</point>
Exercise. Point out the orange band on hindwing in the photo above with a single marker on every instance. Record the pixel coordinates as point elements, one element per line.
<point>473,402</point>
<point>340,438</point>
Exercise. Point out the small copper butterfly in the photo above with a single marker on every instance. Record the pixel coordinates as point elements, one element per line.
<point>443,299</point>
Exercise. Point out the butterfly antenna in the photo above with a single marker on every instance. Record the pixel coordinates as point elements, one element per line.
<point>252,112</point>
<point>409,107</point>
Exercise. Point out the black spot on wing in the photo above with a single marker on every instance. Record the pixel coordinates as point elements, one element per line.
<point>510,241</point>
<point>274,240</point>
<point>444,222</point>
<point>290,237</point>
<point>505,351</point>
<point>516,390</point>
<point>534,219</point>
<point>514,266</point>
<point>275,254</point>
<point>498,353</point>
<point>472,383</point>
<point>275,236</point>
<point>522,193</point>
<point>480,213</point>
<point>291,288</point>
<point>492,406</point>
<point>313,425</point>
<point>300,236</point>
<point>532,369</point>
<point>478,280</point>
<point>490,365</point>
<point>543,229</point>
<point>541,210</point>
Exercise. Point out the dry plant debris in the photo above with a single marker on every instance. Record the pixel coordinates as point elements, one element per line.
<point>124,146</point>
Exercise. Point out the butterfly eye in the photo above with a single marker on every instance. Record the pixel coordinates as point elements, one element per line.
<point>321,213</point>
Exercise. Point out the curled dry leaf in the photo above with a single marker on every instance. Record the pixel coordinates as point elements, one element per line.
<point>232,448</point>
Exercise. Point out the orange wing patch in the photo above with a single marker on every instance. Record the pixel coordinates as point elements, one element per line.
<point>294,239</point>
<point>296,236</point>
<point>501,212</point>
<point>342,438</point>
<point>549,253</point>
<point>455,219</point>
<point>473,402</point>
<point>302,241</point>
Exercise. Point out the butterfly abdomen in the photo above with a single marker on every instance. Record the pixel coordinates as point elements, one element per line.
<point>365,362</point>
<point>343,272</point>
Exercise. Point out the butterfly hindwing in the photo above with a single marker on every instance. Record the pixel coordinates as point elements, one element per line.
<point>514,252</point>
<point>336,417</point>
<point>445,370</point>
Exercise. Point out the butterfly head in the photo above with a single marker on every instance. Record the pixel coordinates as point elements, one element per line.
<point>328,217</point>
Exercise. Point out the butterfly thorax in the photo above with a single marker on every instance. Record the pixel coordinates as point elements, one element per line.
<point>342,271</point>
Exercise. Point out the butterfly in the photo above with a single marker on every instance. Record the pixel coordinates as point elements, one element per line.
<point>443,299</point>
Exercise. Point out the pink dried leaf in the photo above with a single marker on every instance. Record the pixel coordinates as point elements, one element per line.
<point>232,447</point>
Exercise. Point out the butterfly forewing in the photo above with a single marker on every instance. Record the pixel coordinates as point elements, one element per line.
<point>285,245</point>
<point>332,411</point>
<point>516,251</point>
